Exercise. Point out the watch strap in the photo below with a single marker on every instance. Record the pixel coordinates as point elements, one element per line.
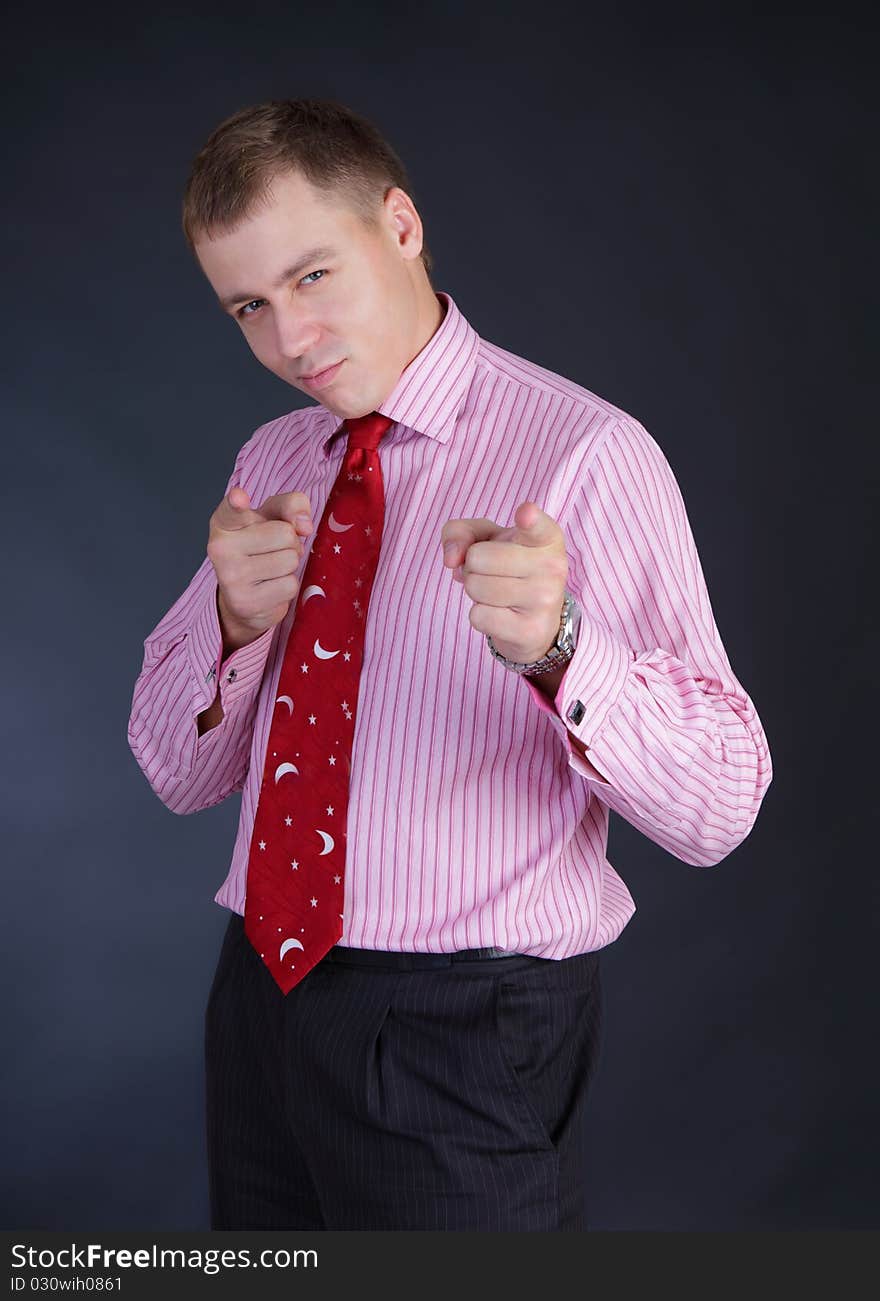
<point>559,653</point>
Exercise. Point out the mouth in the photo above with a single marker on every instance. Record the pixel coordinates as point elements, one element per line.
<point>321,378</point>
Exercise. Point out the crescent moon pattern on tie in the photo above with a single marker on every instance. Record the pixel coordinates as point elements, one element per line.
<point>323,684</point>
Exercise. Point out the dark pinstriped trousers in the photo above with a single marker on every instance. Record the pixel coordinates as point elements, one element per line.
<point>374,1098</point>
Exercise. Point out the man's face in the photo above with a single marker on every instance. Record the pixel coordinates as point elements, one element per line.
<point>361,301</point>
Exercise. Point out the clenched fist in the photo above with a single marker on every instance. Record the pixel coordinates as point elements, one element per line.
<point>255,554</point>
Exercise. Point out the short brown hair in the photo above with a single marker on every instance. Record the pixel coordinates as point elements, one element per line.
<point>331,146</point>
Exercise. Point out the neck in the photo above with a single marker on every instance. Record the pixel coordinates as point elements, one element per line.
<point>431,314</point>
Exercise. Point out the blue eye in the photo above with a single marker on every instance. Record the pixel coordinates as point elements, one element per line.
<point>242,311</point>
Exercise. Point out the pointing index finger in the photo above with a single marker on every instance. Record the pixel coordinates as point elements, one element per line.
<point>235,512</point>
<point>458,535</point>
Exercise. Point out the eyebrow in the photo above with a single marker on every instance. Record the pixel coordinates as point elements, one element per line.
<point>290,273</point>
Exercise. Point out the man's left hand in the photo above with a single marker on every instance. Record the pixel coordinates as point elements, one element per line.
<point>515,576</point>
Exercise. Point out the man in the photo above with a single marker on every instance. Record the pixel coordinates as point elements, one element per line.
<point>498,631</point>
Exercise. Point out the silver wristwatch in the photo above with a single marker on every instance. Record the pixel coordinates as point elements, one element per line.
<point>562,649</point>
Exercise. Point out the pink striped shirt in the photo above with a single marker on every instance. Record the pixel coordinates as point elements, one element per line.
<point>472,820</point>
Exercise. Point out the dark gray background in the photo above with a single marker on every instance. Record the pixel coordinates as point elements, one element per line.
<point>668,207</point>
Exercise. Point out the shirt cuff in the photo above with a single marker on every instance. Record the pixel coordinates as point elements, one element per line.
<point>242,670</point>
<point>591,685</point>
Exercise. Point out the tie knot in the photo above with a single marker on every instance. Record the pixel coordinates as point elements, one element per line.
<point>367,431</point>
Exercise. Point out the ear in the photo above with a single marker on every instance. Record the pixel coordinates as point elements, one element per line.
<point>405,222</point>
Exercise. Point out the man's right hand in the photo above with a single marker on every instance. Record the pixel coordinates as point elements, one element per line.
<point>255,554</point>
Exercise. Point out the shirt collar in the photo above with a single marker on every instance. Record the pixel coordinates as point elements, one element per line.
<point>433,387</point>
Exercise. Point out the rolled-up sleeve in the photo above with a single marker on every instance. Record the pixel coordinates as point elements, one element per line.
<point>650,690</point>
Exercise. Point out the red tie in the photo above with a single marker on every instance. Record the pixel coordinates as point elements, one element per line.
<point>296,868</point>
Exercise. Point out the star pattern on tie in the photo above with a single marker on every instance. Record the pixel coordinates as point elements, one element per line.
<point>294,902</point>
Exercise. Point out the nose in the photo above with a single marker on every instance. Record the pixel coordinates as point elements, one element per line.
<point>295,333</point>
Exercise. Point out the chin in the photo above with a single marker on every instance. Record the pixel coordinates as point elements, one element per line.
<point>352,410</point>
